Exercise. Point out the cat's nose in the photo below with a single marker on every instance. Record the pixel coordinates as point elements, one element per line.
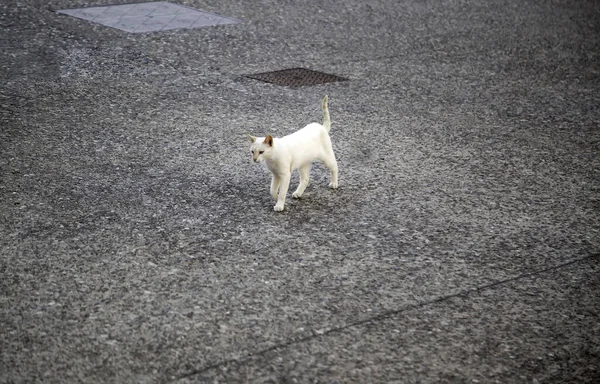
<point>255,160</point>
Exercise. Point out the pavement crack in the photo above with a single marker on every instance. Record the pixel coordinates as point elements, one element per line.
<point>382,317</point>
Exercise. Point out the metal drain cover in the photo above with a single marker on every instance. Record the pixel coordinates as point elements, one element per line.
<point>296,77</point>
<point>149,17</point>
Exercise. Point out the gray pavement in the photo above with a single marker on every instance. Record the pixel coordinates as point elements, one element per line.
<point>139,243</point>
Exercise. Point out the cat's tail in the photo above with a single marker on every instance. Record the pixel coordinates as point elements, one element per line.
<point>326,120</point>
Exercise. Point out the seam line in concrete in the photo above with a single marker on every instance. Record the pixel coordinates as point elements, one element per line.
<point>384,316</point>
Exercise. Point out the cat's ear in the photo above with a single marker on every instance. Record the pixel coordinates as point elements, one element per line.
<point>252,138</point>
<point>269,140</point>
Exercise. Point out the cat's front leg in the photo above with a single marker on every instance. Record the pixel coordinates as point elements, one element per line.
<point>283,189</point>
<point>275,181</point>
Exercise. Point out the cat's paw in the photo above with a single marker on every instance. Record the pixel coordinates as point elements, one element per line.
<point>333,185</point>
<point>278,208</point>
<point>296,195</point>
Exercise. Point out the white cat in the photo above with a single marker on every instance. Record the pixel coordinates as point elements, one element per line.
<point>296,151</point>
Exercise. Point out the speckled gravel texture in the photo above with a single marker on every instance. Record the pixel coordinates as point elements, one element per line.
<point>139,242</point>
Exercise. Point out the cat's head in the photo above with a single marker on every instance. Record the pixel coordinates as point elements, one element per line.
<point>261,147</point>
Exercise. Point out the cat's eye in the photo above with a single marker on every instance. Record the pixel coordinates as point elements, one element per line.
<point>261,152</point>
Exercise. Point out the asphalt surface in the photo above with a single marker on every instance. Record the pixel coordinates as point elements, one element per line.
<point>139,242</point>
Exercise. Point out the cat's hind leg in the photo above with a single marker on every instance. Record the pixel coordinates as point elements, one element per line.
<point>331,163</point>
<point>304,178</point>
<point>283,189</point>
<point>275,182</point>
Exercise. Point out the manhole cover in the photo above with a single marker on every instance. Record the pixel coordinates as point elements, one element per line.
<point>296,77</point>
<point>149,17</point>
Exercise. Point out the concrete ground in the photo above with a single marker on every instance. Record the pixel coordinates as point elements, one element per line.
<point>139,242</point>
